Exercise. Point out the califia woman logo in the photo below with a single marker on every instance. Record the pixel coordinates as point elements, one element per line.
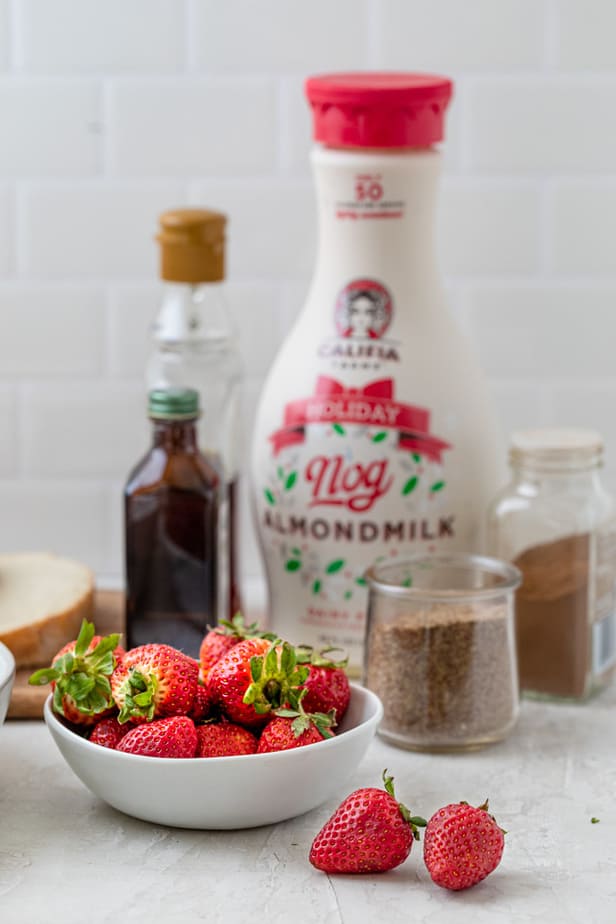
<point>363,310</point>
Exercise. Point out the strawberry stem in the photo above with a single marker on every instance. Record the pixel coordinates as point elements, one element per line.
<point>302,721</point>
<point>414,821</point>
<point>308,655</point>
<point>139,697</point>
<point>81,674</point>
<point>275,677</point>
<point>237,628</point>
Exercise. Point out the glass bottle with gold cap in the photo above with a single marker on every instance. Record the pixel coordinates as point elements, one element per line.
<point>171,505</point>
<point>195,345</point>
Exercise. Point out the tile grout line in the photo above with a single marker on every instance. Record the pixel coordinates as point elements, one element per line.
<point>551,22</point>
<point>106,91</point>
<point>16,62</point>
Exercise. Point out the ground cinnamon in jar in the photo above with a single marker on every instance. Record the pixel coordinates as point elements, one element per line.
<point>552,618</point>
<point>557,523</point>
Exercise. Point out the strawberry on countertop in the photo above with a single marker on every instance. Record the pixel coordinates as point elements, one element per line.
<point>80,676</point>
<point>370,832</point>
<point>462,845</point>
<point>175,736</point>
<point>154,681</point>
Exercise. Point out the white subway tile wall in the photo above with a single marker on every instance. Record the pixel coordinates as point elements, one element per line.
<point>113,111</point>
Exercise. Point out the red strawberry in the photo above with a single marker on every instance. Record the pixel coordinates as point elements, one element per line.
<point>280,735</point>
<point>253,679</point>
<point>202,703</point>
<point>175,736</point>
<point>223,638</point>
<point>225,739</point>
<point>153,681</point>
<point>327,683</point>
<point>80,676</point>
<point>108,733</point>
<point>370,832</point>
<point>462,845</point>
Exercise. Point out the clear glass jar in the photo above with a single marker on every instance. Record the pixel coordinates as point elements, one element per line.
<point>556,523</point>
<point>440,650</point>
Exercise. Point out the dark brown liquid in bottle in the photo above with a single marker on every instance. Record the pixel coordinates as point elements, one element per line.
<point>171,504</point>
<point>235,601</point>
<point>230,601</point>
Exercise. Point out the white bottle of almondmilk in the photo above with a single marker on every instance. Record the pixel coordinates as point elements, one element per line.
<point>374,435</point>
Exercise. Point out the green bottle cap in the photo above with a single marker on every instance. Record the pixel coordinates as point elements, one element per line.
<point>173,404</point>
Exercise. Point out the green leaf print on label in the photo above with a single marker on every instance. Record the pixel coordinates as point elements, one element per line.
<point>316,587</point>
<point>280,472</point>
<point>379,437</point>
<point>269,497</point>
<point>361,581</point>
<point>335,566</point>
<point>290,481</point>
<point>339,429</point>
<point>416,457</point>
<point>437,486</point>
<point>293,564</point>
<point>410,485</point>
<point>348,594</point>
<point>407,582</point>
<point>296,552</point>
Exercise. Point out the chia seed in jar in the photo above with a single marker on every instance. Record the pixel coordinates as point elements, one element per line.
<point>440,651</point>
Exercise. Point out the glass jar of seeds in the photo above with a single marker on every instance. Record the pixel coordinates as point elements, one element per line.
<point>440,650</point>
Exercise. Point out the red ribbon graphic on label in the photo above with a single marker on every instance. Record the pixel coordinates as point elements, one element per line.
<point>373,405</point>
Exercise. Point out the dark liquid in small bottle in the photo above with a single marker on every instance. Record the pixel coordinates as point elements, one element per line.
<point>235,602</point>
<point>229,597</point>
<point>171,503</point>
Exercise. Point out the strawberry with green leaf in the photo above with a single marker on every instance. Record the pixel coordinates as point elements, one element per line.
<point>293,727</point>
<point>80,676</point>
<point>370,832</point>
<point>223,637</point>
<point>254,679</point>
<point>327,685</point>
<point>153,681</point>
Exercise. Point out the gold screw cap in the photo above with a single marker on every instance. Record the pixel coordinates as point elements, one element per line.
<point>192,245</point>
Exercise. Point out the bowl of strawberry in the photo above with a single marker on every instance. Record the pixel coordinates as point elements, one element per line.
<point>254,732</point>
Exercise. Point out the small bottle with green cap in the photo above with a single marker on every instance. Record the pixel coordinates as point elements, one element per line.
<point>171,504</point>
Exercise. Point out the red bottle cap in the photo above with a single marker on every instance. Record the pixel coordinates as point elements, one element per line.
<point>378,110</point>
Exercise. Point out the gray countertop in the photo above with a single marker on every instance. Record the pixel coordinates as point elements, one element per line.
<point>66,855</point>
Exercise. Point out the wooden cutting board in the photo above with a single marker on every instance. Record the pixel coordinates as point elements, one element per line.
<point>26,701</point>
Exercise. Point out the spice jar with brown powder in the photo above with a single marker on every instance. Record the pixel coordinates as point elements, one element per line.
<point>557,524</point>
<point>440,650</point>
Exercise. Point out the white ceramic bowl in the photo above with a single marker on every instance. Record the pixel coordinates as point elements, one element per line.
<point>7,676</point>
<point>223,792</point>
